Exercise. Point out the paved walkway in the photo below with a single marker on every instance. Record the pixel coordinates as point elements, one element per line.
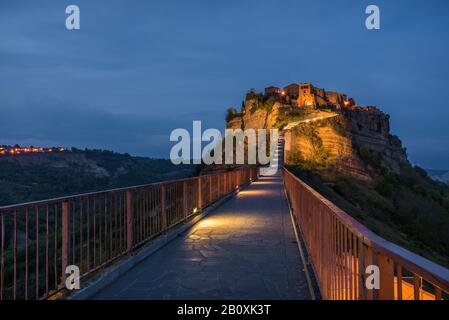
<point>244,249</point>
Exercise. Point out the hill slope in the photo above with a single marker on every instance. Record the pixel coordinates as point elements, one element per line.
<point>439,175</point>
<point>31,177</point>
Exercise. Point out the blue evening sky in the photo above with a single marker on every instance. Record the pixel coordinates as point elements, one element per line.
<point>139,69</point>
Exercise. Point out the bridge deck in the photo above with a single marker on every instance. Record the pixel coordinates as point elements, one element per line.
<point>245,249</point>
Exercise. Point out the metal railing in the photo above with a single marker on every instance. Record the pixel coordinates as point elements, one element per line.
<point>341,249</point>
<point>38,240</point>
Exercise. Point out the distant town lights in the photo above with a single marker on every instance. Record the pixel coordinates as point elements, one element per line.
<point>5,150</point>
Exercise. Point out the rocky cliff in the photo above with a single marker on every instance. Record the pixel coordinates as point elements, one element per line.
<point>347,153</point>
<point>334,135</point>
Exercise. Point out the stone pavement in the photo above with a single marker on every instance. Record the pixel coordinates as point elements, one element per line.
<point>244,249</point>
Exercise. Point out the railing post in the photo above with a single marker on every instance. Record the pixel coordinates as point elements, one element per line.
<point>417,285</point>
<point>65,240</point>
<point>200,198</point>
<point>210,190</point>
<point>129,220</point>
<point>163,211</point>
<point>220,183</point>
<point>399,285</point>
<point>438,294</point>
<point>361,273</point>
<point>386,269</point>
<point>368,260</point>
<point>184,200</point>
<point>225,188</point>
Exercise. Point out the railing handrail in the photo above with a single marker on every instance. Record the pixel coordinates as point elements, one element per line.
<point>429,270</point>
<point>92,230</point>
<point>94,193</point>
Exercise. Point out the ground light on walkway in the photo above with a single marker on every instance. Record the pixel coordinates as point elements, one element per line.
<point>243,249</point>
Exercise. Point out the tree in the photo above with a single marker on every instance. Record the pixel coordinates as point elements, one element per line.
<point>231,113</point>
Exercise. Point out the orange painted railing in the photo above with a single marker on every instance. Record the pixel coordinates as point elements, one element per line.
<point>38,240</point>
<point>341,249</point>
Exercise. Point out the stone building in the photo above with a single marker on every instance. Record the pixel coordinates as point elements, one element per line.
<point>307,96</point>
<point>337,99</point>
<point>292,90</point>
<point>303,95</point>
<point>273,91</point>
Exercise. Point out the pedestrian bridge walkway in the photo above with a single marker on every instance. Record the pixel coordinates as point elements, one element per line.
<point>244,249</point>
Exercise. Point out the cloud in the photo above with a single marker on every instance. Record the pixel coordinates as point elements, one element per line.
<point>137,70</point>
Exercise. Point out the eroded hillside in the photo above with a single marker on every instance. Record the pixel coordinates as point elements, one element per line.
<point>40,176</point>
<point>347,153</point>
<point>324,133</point>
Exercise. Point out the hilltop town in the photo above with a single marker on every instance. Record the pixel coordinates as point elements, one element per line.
<point>346,138</point>
<point>347,153</point>
<point>307,96</point>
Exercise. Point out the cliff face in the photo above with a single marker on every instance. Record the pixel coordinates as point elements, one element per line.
<point>370,129</point>
<point>347,154</point>
<point>326,145</point>
<point>334,135</point>
<point>257,116</point>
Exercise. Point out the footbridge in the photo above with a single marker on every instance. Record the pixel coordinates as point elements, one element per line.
<point>229,235</point>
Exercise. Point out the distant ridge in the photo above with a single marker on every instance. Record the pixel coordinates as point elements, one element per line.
<point>38,176</point>
<point>439,175</point>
